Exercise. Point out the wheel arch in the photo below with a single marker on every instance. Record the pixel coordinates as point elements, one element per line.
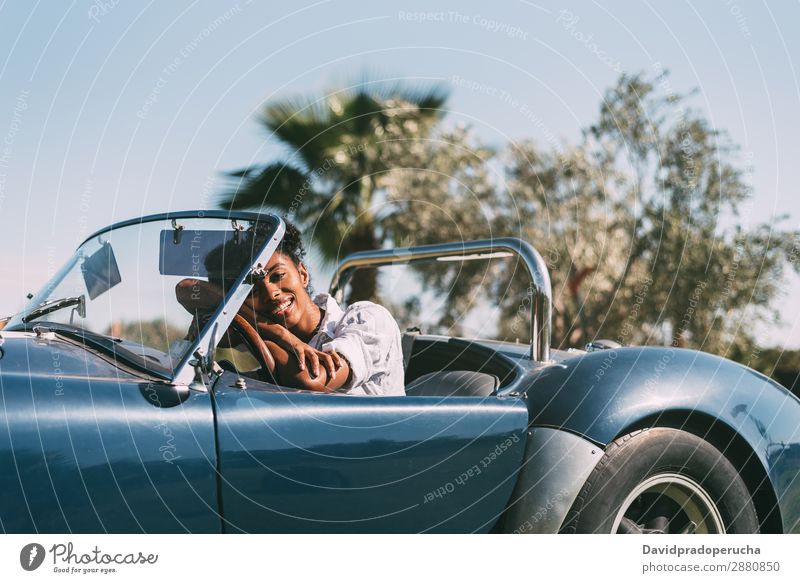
<point>734,447</point>
<point>603,394</point>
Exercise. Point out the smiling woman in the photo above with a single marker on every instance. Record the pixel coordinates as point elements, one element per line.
<point>315,344</point>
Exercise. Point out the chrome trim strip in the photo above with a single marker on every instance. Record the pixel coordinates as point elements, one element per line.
<point>542,301</point>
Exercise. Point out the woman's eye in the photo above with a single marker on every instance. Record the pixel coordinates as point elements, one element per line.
<point>277,276</point>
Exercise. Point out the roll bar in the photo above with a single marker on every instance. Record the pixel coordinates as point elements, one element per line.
<point>541,302</point>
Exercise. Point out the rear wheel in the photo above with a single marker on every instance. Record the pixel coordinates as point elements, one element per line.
<point>663,481</point>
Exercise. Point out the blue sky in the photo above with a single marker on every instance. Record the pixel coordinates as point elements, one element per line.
<point>112,109</point>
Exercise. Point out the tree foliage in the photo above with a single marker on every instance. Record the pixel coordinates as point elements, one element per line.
<point>644,223</point>
<point>645,216</point>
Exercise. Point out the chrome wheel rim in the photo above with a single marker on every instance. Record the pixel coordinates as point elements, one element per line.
<point>697,512</point>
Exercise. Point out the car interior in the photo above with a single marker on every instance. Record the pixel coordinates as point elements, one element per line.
<point>453,367</point>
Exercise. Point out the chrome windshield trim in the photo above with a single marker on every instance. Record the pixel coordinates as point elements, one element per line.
<point>198,214</point>
<point>541,302</point>
<point>225,313</point>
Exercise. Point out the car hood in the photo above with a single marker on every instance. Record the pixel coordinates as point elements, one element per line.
<point>26,354</point>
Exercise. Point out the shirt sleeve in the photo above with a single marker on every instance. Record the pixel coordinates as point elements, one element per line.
<point>365,337</point>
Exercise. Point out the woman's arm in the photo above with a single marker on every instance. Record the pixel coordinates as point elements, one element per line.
<point>288,373</point>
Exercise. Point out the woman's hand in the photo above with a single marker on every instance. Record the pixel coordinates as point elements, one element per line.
<point>331,361</point>
<point>307,357</point>
<point>289,373</point>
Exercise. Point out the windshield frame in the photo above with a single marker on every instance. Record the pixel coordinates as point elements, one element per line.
<point>184,372</point>
<point>206,342</point>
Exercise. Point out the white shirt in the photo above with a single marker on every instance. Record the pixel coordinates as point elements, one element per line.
<point>368,337</point>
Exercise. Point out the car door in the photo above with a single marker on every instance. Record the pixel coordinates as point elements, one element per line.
<point>293,461</point>
<point>88,448</point>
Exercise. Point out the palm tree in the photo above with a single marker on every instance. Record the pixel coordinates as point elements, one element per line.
<point>342,148</point>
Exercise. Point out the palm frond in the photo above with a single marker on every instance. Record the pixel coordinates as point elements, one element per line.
<point>276,185</point>
<point>307,128</point>
<point>331,142</point>
<point>360,113</point>
<point>428,97</point>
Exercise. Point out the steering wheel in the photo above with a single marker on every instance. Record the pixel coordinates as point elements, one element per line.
<point>255,341</point>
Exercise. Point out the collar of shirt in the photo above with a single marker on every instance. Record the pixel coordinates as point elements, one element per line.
<point>333,314</point>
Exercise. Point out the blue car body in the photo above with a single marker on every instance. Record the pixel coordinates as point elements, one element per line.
<point>91,444</point>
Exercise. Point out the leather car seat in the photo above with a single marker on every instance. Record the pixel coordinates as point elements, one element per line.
<point>453,383</point>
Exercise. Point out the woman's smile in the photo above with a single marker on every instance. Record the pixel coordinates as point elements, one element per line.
<point>283,308</point>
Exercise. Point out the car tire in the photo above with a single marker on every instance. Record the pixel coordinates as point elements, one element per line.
<point>662,480</point>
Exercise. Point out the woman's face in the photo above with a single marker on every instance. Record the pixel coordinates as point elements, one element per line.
<point>281,296</point>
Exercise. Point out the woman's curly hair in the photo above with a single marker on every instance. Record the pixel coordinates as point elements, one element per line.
<point>292,243</point>
<point>292,246</point>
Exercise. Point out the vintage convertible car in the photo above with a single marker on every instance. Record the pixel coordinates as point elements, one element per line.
<point>120,413</point>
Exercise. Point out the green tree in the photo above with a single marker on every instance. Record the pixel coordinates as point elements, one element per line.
<point>641,224</point>
<point>341,150</point>
<point>444,192</point>
<point>563,208</point>
<point>646,219</point>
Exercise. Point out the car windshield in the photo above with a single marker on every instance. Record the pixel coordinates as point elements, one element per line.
<point>119,291</point>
